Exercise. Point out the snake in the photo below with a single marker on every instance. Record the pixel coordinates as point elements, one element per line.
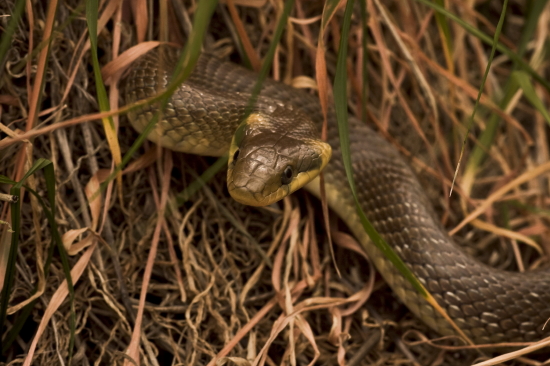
<point>278,149</point>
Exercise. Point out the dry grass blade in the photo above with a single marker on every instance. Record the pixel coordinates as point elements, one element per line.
<point>250,53</point>
<point>525,177</point>
<point>408,56</point>
<point>516,354</point>
<point>133,351</point>
<point>506,233</point>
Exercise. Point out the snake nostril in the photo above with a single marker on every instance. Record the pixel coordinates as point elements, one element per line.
<point>287,175</point>
<point>235,155</point>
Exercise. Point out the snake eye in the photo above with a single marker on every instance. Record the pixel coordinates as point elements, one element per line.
<point>235,155</point>
<point>287,175</point>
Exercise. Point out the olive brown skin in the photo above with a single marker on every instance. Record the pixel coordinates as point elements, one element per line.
<point>489,305</point>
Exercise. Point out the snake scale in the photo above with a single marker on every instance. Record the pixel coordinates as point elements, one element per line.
<point>488,304</point>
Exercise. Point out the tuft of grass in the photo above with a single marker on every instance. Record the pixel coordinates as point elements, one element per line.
<point>490,41</point>
<point>488,135</point>
<point>511,87</point>
<point>445,34</point>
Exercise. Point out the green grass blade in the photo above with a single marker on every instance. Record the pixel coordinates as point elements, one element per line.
<point>15,190</point>
<point>340,101</point>
<point>49,176</point>
<point>26,311</point>
<point>535,9</point>
<point>6,180</point>
<point>56,237</point>
<point>488,135</point>
<point>49,211</point>
<point>13,333</point>
<point>92,8</point>
<point>7,34</point>
<point>445,34</point>
<point>522,79</point>
<point>92,18</point>
<point>38,165</point>
<point>198,183</point>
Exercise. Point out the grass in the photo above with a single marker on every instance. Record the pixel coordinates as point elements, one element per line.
<point>230,280</point>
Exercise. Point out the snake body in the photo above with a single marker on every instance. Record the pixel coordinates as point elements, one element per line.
<point>489,305</point>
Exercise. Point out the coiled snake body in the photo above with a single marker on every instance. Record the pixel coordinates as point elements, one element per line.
<point>489,305</point>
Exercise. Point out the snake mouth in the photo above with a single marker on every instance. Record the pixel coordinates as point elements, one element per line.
<point>251,196</point>
<point>255,192</point>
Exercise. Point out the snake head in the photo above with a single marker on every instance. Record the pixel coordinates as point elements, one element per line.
<point>267,163</point>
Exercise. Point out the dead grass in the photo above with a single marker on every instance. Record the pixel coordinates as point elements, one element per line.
<point>212,278</point>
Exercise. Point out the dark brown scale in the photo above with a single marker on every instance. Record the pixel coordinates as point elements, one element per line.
<point>489,305</point>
